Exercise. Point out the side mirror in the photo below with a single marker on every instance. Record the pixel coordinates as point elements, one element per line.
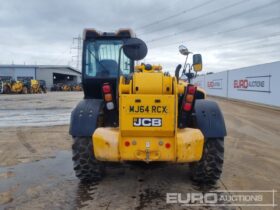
<point>184,50</point>
<point>197,62</point>
<point>135,49</point>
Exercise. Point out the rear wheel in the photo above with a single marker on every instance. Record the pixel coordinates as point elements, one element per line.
<point>86,167</point>
<point>6,89</point>
<point>24,90</point>
<point>209,169</point>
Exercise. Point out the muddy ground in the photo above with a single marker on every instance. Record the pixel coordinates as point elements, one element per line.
<point>36,167</point>
<point>53,108</point>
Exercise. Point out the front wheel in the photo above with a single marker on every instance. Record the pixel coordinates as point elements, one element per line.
<point>86,167</point>
<point>209,169</point>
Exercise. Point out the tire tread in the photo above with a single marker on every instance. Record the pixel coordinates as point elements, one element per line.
<point>209,169</point>
<point>86,167</point>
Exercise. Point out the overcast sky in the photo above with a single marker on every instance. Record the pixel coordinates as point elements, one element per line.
<point>228,34</point>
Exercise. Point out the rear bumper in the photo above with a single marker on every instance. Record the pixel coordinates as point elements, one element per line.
<point>186,146</point>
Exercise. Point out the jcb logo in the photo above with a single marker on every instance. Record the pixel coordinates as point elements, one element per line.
<point>147,122</point>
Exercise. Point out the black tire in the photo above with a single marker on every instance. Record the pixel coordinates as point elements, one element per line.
<point>209,169</point>
<point>24,90</point>
<point>86,167</point>
<point>6,89</point>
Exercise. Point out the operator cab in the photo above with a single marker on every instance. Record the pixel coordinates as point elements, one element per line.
<point>102,58</point>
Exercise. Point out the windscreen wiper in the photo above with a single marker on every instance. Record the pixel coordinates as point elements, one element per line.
<point>98,60</point>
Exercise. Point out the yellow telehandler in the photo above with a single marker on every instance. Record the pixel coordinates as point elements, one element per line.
<point>35,86</point>
<point>141,113</point>
<point>14,86</point>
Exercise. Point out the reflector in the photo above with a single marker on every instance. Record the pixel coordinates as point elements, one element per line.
<point>167,145</point>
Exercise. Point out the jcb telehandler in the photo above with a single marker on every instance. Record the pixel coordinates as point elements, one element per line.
<point>37,86</point>
<point>34,86</point>
<point>140,113</point>
<point>14,86</point>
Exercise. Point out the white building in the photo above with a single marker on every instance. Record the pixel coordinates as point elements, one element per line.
<point>52,74</point>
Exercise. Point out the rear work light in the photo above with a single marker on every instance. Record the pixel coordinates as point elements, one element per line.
<point>110,105</point>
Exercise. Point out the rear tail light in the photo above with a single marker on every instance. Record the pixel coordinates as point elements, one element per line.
<point>188,101</point>
<point>191,89</point>
<point>108,96</point>
<point>106,88</point>
<point>189,98</point>
<point>187,107</point>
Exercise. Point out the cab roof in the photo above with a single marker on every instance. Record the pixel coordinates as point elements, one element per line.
<point>90,33</point>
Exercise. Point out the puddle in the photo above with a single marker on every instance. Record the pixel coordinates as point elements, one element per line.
<point>38,180</point>
<point>51,184</point>
<point>41,117</point>
<point>57,169</point>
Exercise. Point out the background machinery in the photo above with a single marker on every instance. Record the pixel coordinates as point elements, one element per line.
<point>43,86</point>
<point>12,86</point>
<point>5,84</point>
<point>67,87</point>
<point>37,86</point>
<point>140,113</point>
<point>76,87</point>
<point>34,86</point>
<point>8,86</point>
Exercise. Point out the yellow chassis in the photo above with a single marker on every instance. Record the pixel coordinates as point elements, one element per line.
<point>134,140</point>
<point>186,146</point>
